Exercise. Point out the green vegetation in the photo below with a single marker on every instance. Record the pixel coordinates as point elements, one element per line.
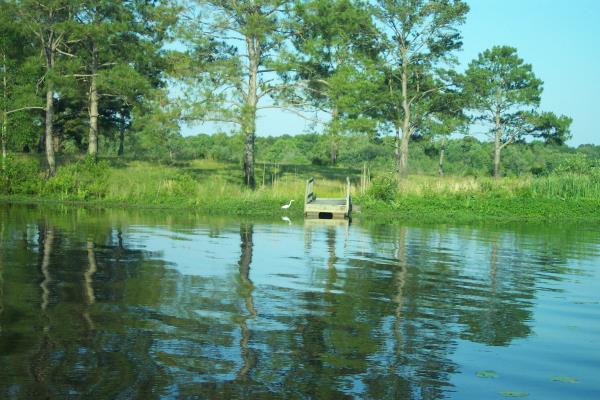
<point>111,79</point>
<point>487,374</point>
<point>117,82</point>
<point>502,90</point>
<point>513,393</point>
<point>213,187</point>
<point>565,379</point>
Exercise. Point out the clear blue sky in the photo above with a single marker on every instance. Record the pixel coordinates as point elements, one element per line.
<point>560,38</point>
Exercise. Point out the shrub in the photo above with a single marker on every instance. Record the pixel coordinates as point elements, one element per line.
<point>384,188</point>
<point>575,164</point>
<point>181,185</point>
<point>83,180</point>
<point>20,176</point>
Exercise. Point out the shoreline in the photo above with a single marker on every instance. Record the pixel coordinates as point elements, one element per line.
<point>435,209</point>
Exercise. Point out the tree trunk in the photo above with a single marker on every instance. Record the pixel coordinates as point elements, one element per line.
<point>441,162</point>
<point>249,112</point>
<point>334,132</point>
<point>403,154</point>
<point>4,128</point>
<point>397,147</point>
<point>121,136</point>
<point>49,139</point>
<point>497,145</point>
<point>497,162</point>
<point>333,150</point>
<point>4,110</point>
<point>93,133</point>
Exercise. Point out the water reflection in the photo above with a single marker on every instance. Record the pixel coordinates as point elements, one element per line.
<point>46,241</point>
<point>245,289</point>
<point>122,305</point>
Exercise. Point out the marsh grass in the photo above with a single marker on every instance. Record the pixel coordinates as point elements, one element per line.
<point>567,186</point>
<point>206,186</point>
<point>212,187</point>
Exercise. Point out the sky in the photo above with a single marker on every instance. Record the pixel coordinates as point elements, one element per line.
<point>560,38</point>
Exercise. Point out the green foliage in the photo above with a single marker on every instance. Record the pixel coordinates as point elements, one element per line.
<point>464,156</point>
<point>503,94</point>
<point>565,186</point>
<point>565,379</point>
<point>156,129</point>
<point>336,45</point>
<point>420,37</point>
<point>499,79</point>
<point>551,128</point>
<point>82,180</point>
<point>213,188</point>
<point>487,374</point>
<point>357,60</point>
<point>384,188</point>
<point>20,176</point>
<point>577,164</point>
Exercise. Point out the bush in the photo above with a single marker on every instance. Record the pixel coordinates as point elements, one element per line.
<point>575,164</point>
<point>83,180</point>
<point>384,188</point>
<point>20,176</point>
<point>181,185</point>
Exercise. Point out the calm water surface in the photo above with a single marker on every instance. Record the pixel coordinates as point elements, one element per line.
<point>120,305</point>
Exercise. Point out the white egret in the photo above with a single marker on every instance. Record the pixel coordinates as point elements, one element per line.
<point>286,206</point>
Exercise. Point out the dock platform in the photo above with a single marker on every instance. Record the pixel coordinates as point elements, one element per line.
<point>327,208</point>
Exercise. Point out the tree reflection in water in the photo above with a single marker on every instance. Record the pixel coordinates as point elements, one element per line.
<point>245,289</point>
<point>97,307</point>
<point>88,283</point>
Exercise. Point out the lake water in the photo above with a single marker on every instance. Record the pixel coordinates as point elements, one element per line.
<point>120,304</point>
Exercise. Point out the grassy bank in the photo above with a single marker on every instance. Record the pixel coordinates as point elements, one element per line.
<point>214,188</point>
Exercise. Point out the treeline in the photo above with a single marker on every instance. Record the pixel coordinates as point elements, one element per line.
<point>464,156</point>
<point>72,70</point>
<point>116,77</point>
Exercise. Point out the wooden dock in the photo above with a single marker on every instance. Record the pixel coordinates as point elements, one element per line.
<point>325,208</point>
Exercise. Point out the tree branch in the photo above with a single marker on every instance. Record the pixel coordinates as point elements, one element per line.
<point>25,108</point>
<point>293,111</point>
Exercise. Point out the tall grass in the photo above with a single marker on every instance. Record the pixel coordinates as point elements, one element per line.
<point>210,186</point>
<point>566,186</point>
<point>214,187</point>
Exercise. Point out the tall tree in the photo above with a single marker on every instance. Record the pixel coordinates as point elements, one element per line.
<point>336,46</point>
<point>233,45</point>
<point>444,114</point>
<point>119,53</point>
<point>420,36</point>
<point>504,95</point>
<point>50,22</point>
<point>19,73</point>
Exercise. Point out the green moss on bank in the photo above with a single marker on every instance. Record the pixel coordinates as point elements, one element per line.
<point>443,209</point>
<point>431,210</point>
